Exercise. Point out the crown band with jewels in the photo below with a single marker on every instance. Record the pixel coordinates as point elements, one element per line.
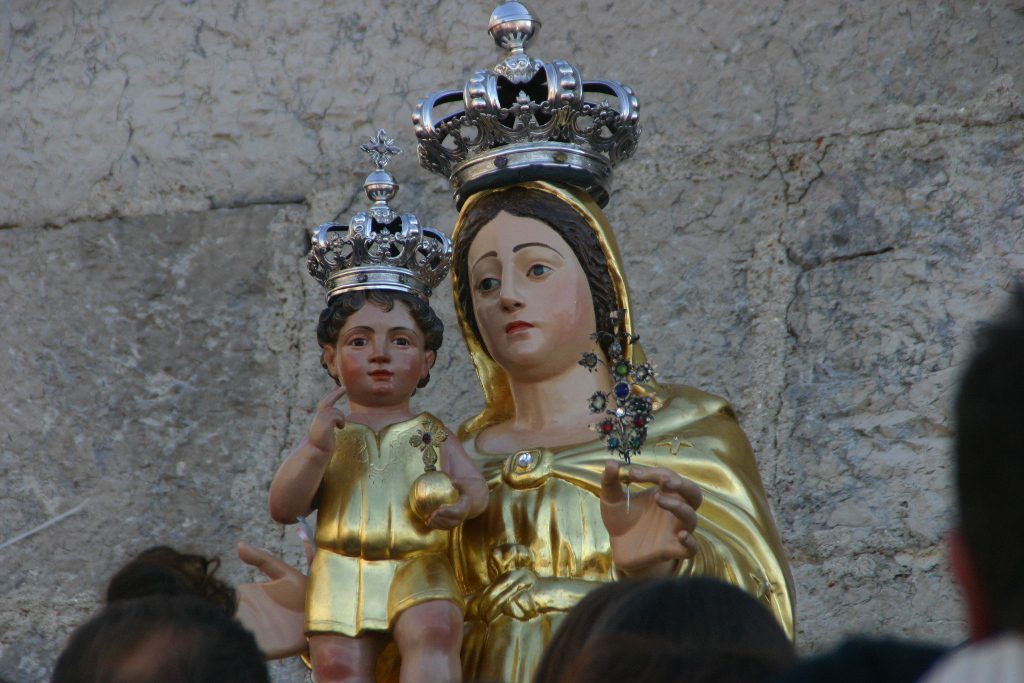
<point>379,248</point>
<point>527,120</point>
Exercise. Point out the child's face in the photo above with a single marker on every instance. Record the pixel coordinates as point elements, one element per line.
<point>379,356</point>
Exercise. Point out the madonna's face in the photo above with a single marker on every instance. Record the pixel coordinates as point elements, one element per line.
<point>531,298</point>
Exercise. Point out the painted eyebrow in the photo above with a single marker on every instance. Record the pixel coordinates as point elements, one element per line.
<point>490,253</point>
<point>524,245</point>
<point>363,329</point>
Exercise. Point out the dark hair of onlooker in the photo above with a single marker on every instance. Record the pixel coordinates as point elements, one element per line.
<point>333,318</point>
<point>165,571</point>
<point>572,633</point>
<point>989,465</point>
<point>712,629</point>
<point>161,640</point>
<point>636,659</point>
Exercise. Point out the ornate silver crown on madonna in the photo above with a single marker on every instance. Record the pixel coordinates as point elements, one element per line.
<point>527,120</point>
<point>379,248</point>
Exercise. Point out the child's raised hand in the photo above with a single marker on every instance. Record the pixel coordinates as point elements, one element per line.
<point>327,418</point>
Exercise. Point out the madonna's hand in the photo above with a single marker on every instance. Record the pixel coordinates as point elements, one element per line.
<point>273,610</point>
<point>656,532</point>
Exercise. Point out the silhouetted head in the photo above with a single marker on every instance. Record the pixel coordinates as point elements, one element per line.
<point>161,640</point>
<point>576,627</point>
<point>162,570</point>
<point>683,629</point>
<point>989,465</point>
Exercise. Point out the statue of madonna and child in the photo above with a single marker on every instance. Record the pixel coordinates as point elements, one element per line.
<point>542,304</point>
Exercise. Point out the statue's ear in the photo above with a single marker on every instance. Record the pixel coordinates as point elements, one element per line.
<point>327,360</point>
<point>431,357</point>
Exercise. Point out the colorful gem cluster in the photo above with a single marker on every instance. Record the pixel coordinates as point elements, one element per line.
<point>627,411</point>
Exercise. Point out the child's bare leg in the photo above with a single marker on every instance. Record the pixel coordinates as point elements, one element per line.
<point>339,659</point>
<point>429,637</point>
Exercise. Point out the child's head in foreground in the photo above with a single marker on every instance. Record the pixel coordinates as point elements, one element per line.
<point>379,343</point>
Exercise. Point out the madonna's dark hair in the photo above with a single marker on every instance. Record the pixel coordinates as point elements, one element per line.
<point>560,217</point>
<point>333,318</point>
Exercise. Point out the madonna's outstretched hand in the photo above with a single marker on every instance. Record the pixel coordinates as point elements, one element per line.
<point>273,610</point>
<point>656,532</point>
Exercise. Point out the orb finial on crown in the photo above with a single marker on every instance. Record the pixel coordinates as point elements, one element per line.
<point>512,26</point>
<point>380,186</point>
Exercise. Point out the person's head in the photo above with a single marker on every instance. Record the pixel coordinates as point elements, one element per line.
<point>699,621</point>
<point>627,658</point>
<point>161,640</point>
<point>578,285</point>
<point>380,344</point>
<point>165,571</point>
<point>572,633</point>
<point>988,555</point>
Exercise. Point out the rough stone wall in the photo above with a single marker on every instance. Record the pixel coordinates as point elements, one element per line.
<point>827,198</point>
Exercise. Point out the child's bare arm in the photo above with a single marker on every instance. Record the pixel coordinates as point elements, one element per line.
<point>297,480</point>
<point>473,492</point>
<point>465,475</point>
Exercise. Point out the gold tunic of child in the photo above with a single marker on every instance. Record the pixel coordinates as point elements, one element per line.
<point>374,557</point>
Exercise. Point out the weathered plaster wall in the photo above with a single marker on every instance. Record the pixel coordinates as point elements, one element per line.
<point>827,198</point>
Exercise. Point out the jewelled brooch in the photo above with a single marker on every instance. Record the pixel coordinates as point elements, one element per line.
<point>626,410</point>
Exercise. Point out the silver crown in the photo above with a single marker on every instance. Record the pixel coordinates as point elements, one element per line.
<point>527,120</point>
<point>379,248</point>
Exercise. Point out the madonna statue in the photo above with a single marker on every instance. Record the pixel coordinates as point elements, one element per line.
<point>536,273</point>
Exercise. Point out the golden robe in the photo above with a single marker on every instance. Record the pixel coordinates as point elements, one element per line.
<point>374,557</point>
<point>541,544</point>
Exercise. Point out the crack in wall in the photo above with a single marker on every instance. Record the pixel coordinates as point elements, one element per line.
<point>917,123</point>
<point>776,418</point>
<point>809,266</point>
<point>795,188</point>
<point>288,200</point>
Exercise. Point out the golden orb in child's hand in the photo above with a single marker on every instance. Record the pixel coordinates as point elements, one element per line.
<point>430,491</point>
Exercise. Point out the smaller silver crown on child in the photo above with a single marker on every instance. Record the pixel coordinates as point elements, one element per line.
<point>527,120</point>
<point>379,248</point>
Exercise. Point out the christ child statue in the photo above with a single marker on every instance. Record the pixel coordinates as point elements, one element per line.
<point>388,484</point>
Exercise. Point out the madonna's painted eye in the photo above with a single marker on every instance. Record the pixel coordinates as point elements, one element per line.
<point>358,341</point>
<point>538,269</point>
<point>402,341</point>
<point>488,284</point>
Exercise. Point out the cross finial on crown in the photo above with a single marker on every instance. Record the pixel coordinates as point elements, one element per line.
<point>381,148</point>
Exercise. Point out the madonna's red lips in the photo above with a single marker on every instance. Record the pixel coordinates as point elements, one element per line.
<point>517,325</point>
<point>381,374</point>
